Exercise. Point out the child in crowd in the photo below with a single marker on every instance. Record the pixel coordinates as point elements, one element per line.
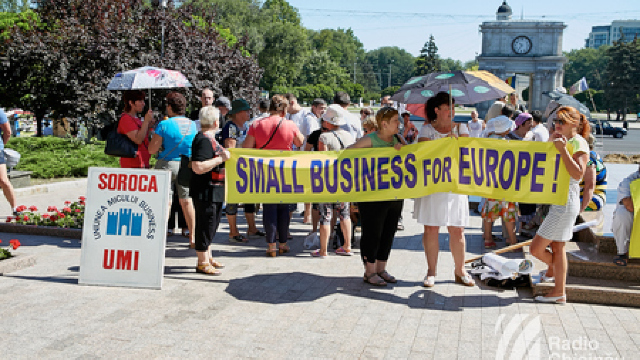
<point>369,124</point>
<point>494,209</point>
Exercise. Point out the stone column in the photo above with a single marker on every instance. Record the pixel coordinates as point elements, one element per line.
<point>535,93</point>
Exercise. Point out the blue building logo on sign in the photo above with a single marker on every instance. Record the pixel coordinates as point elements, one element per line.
<point>132,222</point>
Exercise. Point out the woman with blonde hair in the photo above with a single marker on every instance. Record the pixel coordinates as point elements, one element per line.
<point>275,133</point>
<point>379,219</point>
<point>571,127</point>
<point>442,209</point>
<point>207,188</point>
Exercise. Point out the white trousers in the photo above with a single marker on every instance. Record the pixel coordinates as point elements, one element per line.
<point>621,226</point>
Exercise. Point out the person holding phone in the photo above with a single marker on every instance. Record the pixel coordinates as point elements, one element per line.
<point>135,128</point>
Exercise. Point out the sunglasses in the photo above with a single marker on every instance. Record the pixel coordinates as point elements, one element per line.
<point>558,121</point>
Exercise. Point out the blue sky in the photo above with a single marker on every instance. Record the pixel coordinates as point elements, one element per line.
<point>454,24</point>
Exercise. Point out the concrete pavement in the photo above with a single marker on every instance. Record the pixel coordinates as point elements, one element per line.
<point>293,306</point>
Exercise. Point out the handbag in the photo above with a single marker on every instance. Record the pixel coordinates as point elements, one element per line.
<point>185,173</point>
<point>119,144</point>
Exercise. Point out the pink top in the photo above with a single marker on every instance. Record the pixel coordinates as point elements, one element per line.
<point>283,138</point>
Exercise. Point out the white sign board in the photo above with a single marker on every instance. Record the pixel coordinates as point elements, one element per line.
<point>124,231</point>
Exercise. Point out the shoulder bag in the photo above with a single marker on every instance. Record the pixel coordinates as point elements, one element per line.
<point>272,134</point>
<point>119,144</point>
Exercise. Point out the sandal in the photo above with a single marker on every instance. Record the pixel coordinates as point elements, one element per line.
<point>238,239</point>
<point>490,244</point>
<point>216,264</point>
<point>344,252</point>
<point>621,260</point>
<point>429,281</point>
<point>374,279</point>
<point>271,252</point>
<point>283,249</point>
<point>207,269</point>
<point>316,254</point>
<point>258,233</point>
<point>387,277</point>
<point>466,280</point>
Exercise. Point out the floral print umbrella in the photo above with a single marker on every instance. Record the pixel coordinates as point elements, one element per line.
<point>148,78</point>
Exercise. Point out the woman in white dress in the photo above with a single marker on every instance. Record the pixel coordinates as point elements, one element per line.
<point>571,127</point>
<point>442,209</point>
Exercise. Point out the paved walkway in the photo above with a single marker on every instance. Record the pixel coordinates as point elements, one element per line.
<point>293,306</point>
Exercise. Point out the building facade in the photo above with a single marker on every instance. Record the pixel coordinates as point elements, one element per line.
<point>532,48</point>
<point>608,34</point>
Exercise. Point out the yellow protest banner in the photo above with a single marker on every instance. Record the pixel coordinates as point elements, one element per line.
<point>634,240</point>
<point>510,170</point>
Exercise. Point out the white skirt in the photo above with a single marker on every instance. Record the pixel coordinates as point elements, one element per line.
<point>558,225</point>
<point>442,209</point>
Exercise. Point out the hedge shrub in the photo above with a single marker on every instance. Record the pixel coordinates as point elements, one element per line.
<point>52,157</point>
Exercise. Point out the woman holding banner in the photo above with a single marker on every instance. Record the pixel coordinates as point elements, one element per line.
<point>442,209</point>
<point>571,127</point>
<point>379,219</point>
<point>275,133</point>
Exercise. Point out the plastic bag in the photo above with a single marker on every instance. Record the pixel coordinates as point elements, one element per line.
<point>311,241</point>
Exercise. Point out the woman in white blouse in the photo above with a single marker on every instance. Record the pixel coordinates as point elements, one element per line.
<point>442,209</point>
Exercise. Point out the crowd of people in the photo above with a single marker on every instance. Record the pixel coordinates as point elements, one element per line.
<point>282,124</point>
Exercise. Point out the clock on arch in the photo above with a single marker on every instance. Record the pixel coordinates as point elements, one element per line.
<point>521,45</point>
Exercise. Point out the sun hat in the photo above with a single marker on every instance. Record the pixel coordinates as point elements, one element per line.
<point>501,124</point>
<point>239,105</point>
<point>522,118</point>
<point>334,115</point>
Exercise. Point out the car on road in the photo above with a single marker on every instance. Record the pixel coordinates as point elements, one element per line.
<point>604,127</point>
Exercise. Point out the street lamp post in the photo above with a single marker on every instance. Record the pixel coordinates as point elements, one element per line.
<point>354,72</point>
<point>164,6</point>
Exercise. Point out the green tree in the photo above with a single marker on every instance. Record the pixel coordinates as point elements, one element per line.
<point>285,52</point>
<point>282,11</point>
<point>391,59</point>
<point>623,74</point>
<point>271,30</point>
<point>320,69</point>
<point>588,63</point>
<point>428,61</point>
<point>471,65</point>
<point>23,20</point>
<point>244,18</point>
<point>64,64</point>
<point>449,64</point>
<point>346,49</point>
